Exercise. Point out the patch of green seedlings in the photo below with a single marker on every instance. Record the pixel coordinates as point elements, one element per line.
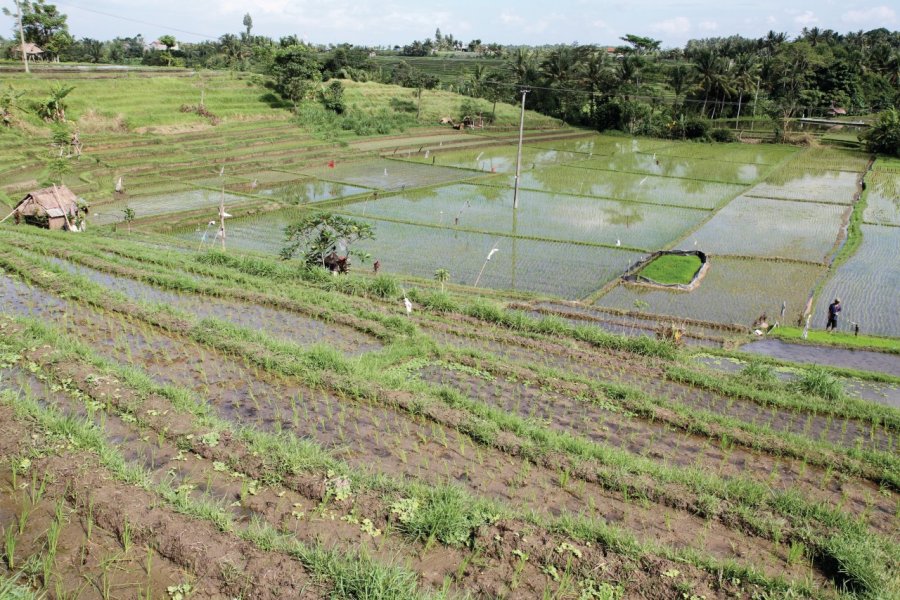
<point>352,574</point>
<point>285,348</point>
<point>289,455</point>
<point>222,335</point>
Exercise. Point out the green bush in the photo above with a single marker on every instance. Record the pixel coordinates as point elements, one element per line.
<point>438,302</point>
<point>817,381</point>
<point>884,136</point>
<point>444,513</point>
<point>696,129</point>
<point>385,286</point>
<point>722,135</point>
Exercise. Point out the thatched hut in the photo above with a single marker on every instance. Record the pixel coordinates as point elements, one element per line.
<point>54,207</point>
<point>32,51</point>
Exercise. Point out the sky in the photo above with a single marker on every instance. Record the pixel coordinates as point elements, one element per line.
<point>532,22</point>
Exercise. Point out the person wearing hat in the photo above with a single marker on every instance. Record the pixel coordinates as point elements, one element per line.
<point>833,309</point>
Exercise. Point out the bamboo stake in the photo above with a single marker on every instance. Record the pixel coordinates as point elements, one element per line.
<point>59,206</point>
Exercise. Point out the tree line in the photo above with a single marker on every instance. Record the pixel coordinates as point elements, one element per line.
<point>634,86</point>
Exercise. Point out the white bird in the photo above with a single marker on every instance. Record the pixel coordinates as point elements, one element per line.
<point>408,305</point>
<point>695,242</point>
<point>222,171</point>
<point>618,242</point>
<point>426,154</point>
<point>211,223</point>
<point>254,184</point>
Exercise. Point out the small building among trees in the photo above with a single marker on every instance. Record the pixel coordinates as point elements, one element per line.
<point>52,208</point>
<point>32,51</point>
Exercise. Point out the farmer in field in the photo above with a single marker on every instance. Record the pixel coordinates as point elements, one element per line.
<point>833,309</point>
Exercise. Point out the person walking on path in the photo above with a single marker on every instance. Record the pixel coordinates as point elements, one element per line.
<point>833,309</point>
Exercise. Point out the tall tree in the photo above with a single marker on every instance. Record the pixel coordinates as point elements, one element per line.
<point>296,70</point>
<point>45,26</point>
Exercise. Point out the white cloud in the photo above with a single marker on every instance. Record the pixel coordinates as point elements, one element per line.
<point>807,17</point>
<point>674,26</point>
<point>508,18</point>
<point>876,15</point>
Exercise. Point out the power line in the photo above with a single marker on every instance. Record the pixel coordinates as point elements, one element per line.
<point>204,36</point>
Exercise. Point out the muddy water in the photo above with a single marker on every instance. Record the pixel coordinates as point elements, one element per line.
<point>567,414</point>
<point>379,439</point>
<point>863,360</point>
<point>615,367</point>
<point>285,325</point>
<point>875,391</point>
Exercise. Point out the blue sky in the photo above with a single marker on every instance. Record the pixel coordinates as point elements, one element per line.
<point>390,22</point>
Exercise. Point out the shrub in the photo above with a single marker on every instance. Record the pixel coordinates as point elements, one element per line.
<point>759,373</point>
<point>884,136</point>
<point>384,286</point>
<point>438,302</point>
<point>696,129</point>
<point>722,135</point>
<point>443,513</point>
<point>819,382</point>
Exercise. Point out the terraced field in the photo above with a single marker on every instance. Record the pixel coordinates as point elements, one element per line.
<point>168,409</point>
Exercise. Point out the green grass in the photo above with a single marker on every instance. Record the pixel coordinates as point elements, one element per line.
<point>672,269</point>
<point>840,339</point>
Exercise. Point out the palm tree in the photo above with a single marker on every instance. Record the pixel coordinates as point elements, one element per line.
<point>680,77</point>
<point>560,69</point>
<point>442,275</point>
<point>746,70</point>
<point>522,66</point>
<point>709,68</point>
<point>479,73</point>
<point>594,69</point>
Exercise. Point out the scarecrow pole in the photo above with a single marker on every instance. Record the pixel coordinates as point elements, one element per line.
<point>59,205</point>
<point>22,36</point>
<point>222,214</point>
<point>519,153</point>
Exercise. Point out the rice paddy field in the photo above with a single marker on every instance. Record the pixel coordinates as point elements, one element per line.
<point>165,408</point>
<point>180,420</point>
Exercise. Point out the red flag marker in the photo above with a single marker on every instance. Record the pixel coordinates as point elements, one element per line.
<point>331,164</point>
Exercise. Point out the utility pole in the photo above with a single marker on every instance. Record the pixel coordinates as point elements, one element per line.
<point>755,100</point>
<point>519,155</point>
<point>22,36</point>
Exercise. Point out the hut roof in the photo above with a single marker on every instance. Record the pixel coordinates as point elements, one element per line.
<point>51,201</point>
<point>30,48</point>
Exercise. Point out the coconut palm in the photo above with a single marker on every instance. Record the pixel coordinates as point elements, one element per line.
<point>746,71</point>
<point>442,275</point>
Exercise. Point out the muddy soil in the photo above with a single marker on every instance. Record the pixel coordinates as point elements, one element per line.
<point>303,513</point>
<point>121,542</point>
<point>280,324</point>
<point>380,439</point>
<point>648,376</point>
<point>609,427</point>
